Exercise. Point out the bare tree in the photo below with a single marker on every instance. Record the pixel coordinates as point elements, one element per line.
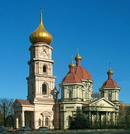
<point>6,110</point>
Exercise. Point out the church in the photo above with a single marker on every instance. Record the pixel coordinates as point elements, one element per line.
<point>42,106</point>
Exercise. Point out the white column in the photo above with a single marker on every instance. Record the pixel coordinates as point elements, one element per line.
<point>77,92</point>
<point>51,122</point>
<point>114,118</point>
<point>35,120</point>
<point>74,92</point>
<point>17,123</point>
<point>106,118</point>
<point>22,119</point>
<point>43,120</point>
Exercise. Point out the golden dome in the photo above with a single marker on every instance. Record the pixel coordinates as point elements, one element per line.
<point>78,57</point>
<point>110,72</point>
<point>71,64</point>
<point>40,34</point>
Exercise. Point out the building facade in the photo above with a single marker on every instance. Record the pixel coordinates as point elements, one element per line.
<point>42,107</point>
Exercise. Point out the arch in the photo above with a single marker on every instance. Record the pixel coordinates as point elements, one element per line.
<point>44,68</point>
<point>46,121</point>
<point>44,89</point>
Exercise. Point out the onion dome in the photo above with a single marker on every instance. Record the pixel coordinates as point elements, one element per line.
<point>110,72</point>
<point>71,64</point>
<point>110,83</point>
<point>40,34</point>
<point>78,57</point>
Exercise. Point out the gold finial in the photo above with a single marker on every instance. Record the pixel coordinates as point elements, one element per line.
<point>71,64</point>
<point>40,15</point>
<point>110,70</point>
<point>78,57</point>
<point>40,34</point>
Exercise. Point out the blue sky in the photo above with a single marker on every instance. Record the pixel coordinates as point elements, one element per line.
<point>99,28</point>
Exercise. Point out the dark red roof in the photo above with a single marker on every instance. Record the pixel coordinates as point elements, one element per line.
<point>77,75</point>
<point>71,78</point>
<point>110,83</point>
<point>82,73</point>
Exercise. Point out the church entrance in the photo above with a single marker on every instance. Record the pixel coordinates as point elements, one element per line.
<point>29,119</point>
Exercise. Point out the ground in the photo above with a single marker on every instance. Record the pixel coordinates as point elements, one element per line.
<point>74,132</point>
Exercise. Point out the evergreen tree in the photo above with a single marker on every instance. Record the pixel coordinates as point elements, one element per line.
<point>80,120</point>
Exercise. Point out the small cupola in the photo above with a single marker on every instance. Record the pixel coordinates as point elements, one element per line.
<point>110,73</point>
<point>71,66</point>
<point>78,58</point>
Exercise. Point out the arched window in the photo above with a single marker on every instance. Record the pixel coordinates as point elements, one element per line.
<point>46,121</point>
<point>109,96</point>
<point>44,89</point>
<point>70,93</point>
<point>44,69</point>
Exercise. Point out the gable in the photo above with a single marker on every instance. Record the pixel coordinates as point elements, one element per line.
<point>102,103</point>
<point>16,104</point>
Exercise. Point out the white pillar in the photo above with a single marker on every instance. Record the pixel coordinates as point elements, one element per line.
<point>114,118</point>
<point>43,120</point>
<point>17,123</point>
<point>22,119</point>
<point>106,118</point>
<point>35,120</point>
<point>51,122</point>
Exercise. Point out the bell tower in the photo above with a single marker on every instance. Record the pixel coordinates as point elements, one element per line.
<point>41,82</point>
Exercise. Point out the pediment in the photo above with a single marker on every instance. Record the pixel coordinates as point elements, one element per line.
<point>16,104</point>
<point>102,103</point>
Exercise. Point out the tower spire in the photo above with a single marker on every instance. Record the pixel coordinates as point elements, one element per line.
<point>40,15</point>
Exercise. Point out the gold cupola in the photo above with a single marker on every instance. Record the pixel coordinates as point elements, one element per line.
<point>78,57</point>
<point>40,34</point>
<point>110,72</point>
<point>71,64</point>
